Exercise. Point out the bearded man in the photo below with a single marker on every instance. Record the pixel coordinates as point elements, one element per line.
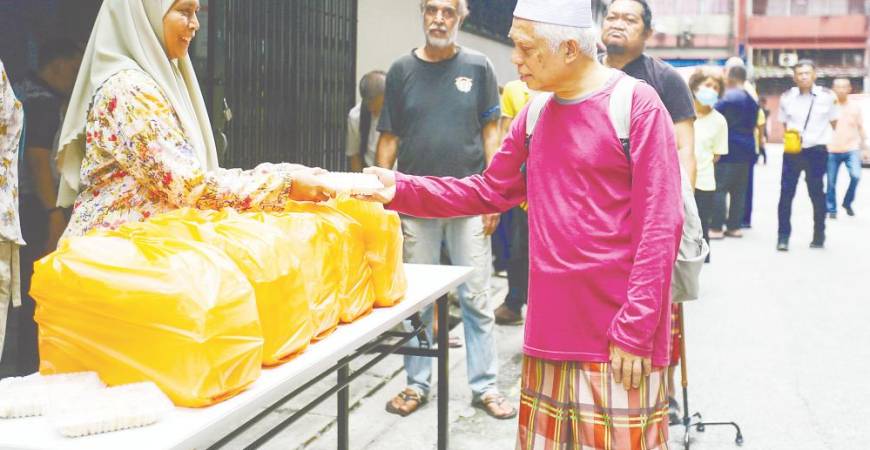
<point>440,117</point>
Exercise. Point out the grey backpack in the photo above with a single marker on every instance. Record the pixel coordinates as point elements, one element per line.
<point>693,249</point>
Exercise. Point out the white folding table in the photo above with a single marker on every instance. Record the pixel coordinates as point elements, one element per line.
<point>187,429</point>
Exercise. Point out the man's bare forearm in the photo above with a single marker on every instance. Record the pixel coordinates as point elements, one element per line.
<point>355,163</point>
<point>491,140</point>
<point>685,134</point>
<point>388,147</point>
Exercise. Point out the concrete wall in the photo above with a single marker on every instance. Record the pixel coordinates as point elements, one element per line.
<point>388,29</point>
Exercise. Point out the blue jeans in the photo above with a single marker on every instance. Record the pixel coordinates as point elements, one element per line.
<point>747,208</point>
<point>501,243</point>
<point>853,165</point>
<point>813,161</point>
<point>518,269</point>
<point>467,246</point>
<point>732,180</point>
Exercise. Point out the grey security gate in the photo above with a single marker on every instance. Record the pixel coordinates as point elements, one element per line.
<point>286,69</point>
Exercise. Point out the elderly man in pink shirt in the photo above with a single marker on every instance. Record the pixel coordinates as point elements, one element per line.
<point>604,228</point>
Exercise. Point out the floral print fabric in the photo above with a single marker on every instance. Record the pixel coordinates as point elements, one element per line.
<point>11,122</point>
<point>138,162</point>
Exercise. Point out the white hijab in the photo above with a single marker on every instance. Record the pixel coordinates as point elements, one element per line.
<point>128,34</point>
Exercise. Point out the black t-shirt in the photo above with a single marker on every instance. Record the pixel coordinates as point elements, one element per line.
<point>438,111</point>
<point>42,113</point>
<point>670,86</point>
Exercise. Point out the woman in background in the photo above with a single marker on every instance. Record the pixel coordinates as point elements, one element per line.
<point>711,140</point>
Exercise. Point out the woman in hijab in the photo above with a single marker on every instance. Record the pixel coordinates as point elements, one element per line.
<point>137,141</point>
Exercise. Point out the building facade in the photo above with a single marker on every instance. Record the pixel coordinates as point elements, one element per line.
<point>691,33</point>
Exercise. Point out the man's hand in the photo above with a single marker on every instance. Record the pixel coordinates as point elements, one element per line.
<point>490,223</point>
<point>308,187</point>
<point>385,195</point>
<point>628,369</point>
<point>56,226</point>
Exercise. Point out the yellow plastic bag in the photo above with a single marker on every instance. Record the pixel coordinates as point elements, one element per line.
<point>356,291</point>
<point>175,312</point>
<point>258,250</point>
<point>318,246</point>
<point>382,231</point>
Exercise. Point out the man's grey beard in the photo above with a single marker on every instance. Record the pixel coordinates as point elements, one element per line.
<point>442,42</point>
<point>614,49</point>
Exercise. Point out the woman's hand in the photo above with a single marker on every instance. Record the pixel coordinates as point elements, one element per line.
<point>309,187</point>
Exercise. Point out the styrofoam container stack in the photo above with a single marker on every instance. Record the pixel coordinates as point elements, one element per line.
<point>352,183</point>
<point>34,394</point>
<point>113,409</point>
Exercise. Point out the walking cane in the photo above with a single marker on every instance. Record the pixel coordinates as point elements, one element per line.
<point>689,422</point>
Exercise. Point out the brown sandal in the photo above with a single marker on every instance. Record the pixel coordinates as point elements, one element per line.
<point>406,402</point>
<point>495,405</point>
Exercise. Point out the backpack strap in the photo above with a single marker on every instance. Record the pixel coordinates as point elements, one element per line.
<point>621,100</point>
<point>535,108</point>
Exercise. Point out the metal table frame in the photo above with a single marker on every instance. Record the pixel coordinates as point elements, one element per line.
<point>346,377</point>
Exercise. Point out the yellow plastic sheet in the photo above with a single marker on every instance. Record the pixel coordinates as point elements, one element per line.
<point>356,291</point>
<point>259,251</point>
<point>317,244</point>
<point>382,232</point>
<point>175,312</point>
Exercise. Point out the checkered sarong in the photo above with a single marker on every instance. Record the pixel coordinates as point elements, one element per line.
<point>568,405</point>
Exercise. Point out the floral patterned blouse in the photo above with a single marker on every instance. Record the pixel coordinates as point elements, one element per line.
<point>11,122</point>
<point>138,163</point>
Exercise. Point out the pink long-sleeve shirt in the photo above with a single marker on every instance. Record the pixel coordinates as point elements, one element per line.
<point>603,232</point>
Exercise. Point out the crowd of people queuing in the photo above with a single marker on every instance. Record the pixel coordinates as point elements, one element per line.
<point>117,131</point>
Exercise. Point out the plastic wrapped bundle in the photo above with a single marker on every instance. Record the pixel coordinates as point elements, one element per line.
<point>259,251</point>
<point>382,231</point>
<point>356,291</point>
<point>34,394</point>
<point>317,244</point>
<point>175,312</point>
<point>113,409</point>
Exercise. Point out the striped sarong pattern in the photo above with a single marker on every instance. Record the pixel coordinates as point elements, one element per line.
<point>570,405</point>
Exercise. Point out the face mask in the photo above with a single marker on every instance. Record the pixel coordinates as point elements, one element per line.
<point>707,96</point>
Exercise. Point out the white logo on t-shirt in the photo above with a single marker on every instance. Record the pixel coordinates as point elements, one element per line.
<point>464,84</point>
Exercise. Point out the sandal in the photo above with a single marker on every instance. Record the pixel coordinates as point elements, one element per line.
<point>406,402</point>
<point>496,405</point>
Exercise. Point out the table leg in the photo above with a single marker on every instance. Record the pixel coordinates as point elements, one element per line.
<point>343,418</point>
<point>443,373</point>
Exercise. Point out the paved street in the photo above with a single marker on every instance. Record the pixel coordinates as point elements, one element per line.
<point>778,343</point>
